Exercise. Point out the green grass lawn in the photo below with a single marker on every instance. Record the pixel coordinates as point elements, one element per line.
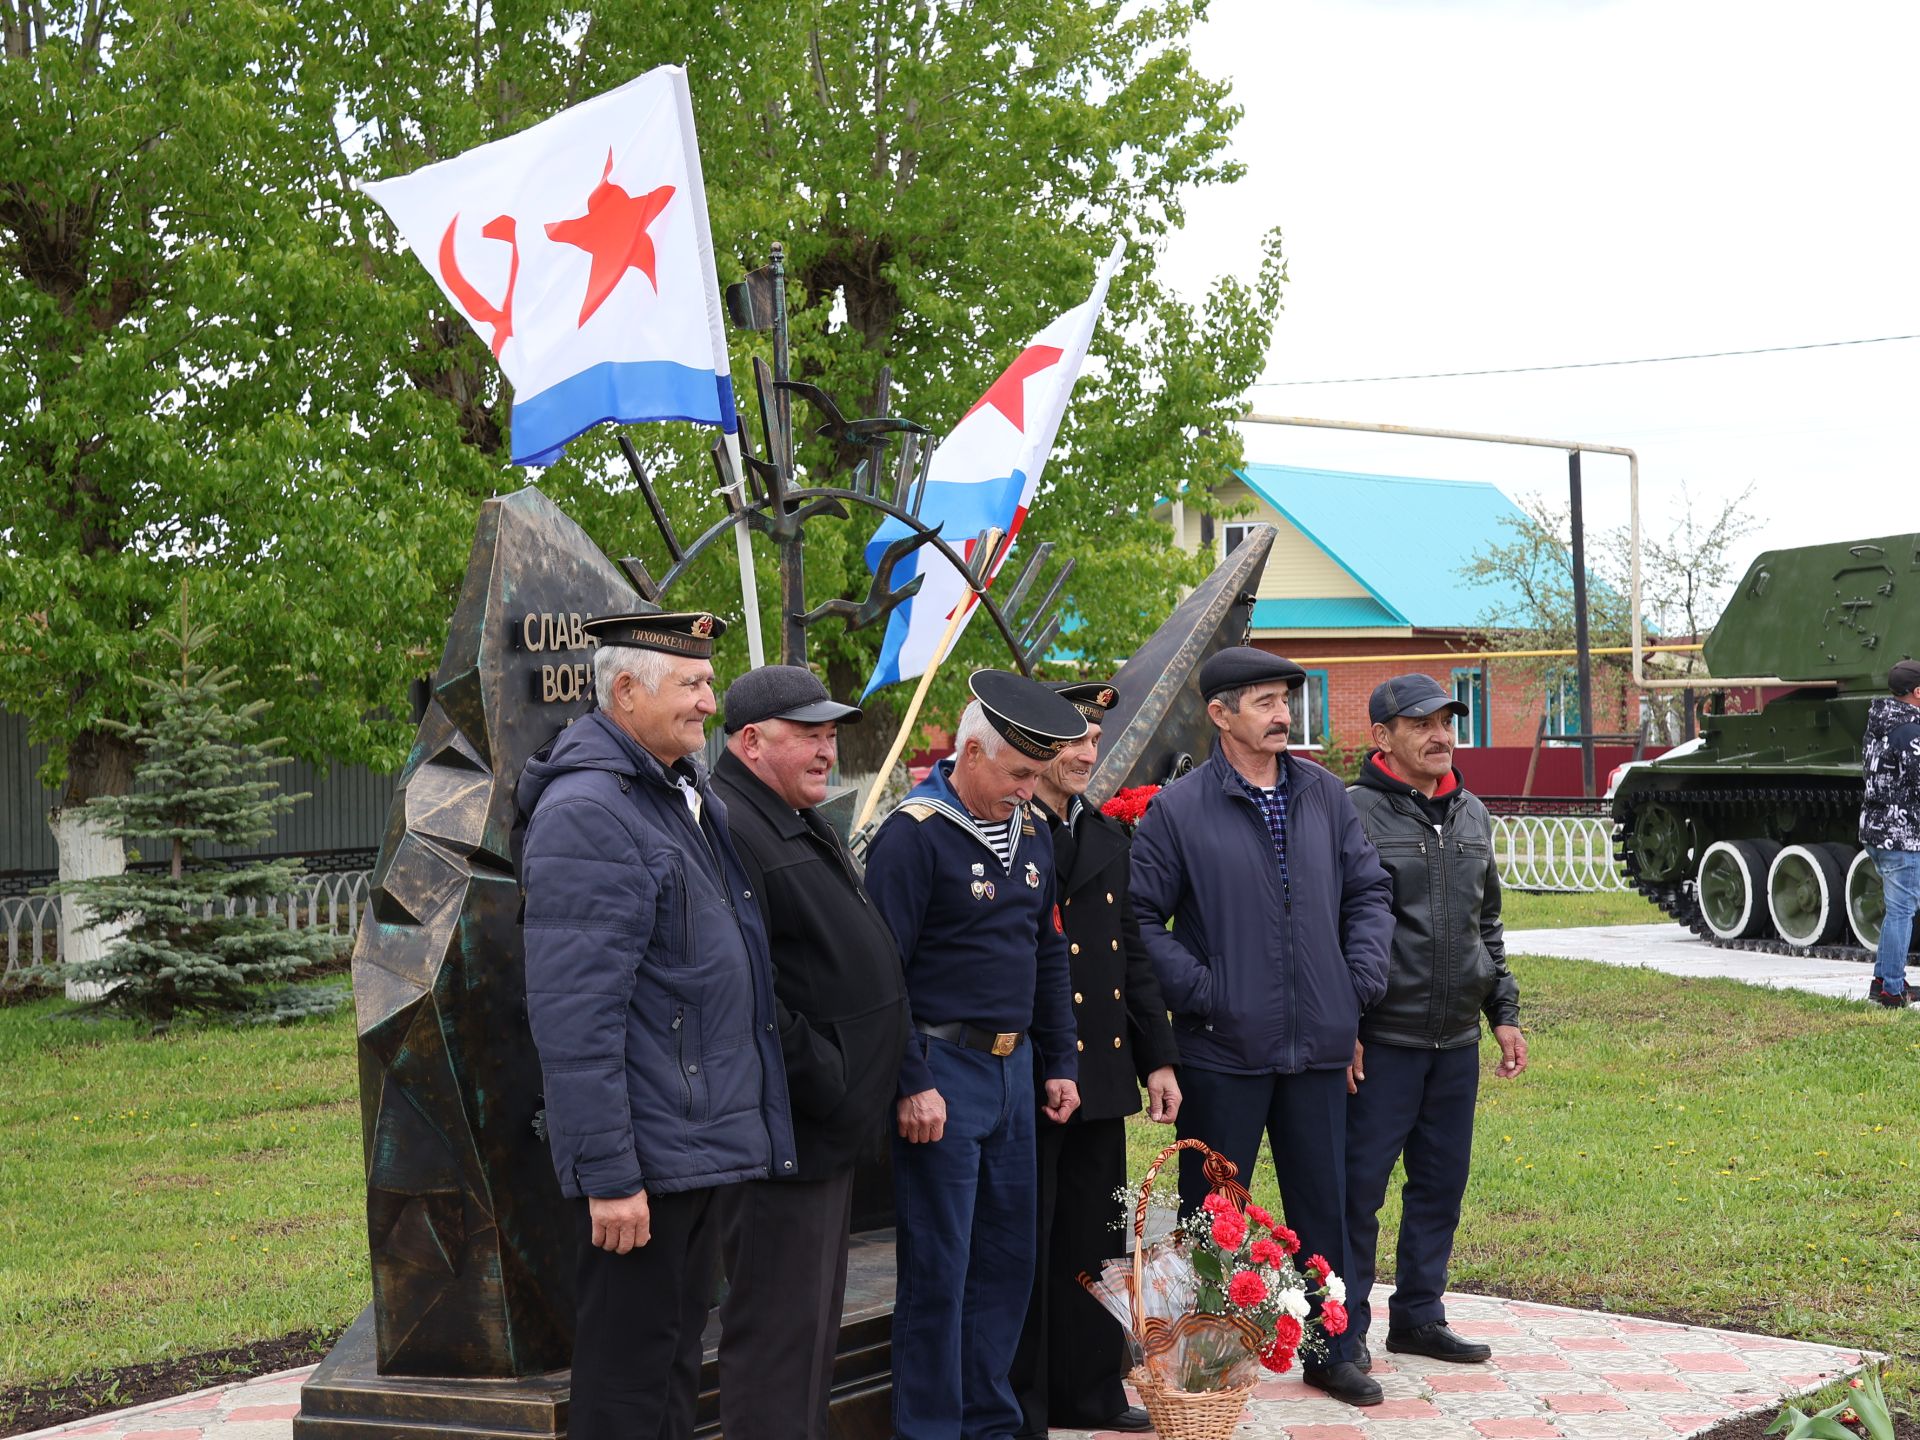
<point>163,1196</point>
<point>1520,911</point>
<point>1736,1154</point>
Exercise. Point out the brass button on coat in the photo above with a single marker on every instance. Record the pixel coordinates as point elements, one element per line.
<point>1078,998</point>
<point>1074,948</point>
<point>1109,897</point>
<point>1114,943</point>
<point>1079,1044</point>
<point>1116,994</point>
<point>1116,1042</point>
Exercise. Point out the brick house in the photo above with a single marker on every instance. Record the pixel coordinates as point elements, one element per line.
<point>1371,566</point>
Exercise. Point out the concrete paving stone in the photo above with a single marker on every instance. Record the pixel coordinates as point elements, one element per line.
<point>1594,1344</point>
<point>1326,1432</point>
<point>1487,1329</point>
<point>183,1434</point>
<point>1467,1383</point>
<point>1491,1407</point>
<point>241,1414</point>
<point>1613,1427</point>
<point>1518,1429</point>
<point>1644,1380</point>
<point>1392,1409</point>
<point>1542,1361</point>
<point>1675,950</point>
<point>1587,1402</point>
<point>1705,1362</point>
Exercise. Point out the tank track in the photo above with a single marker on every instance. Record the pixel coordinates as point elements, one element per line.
<point>1721,803</point>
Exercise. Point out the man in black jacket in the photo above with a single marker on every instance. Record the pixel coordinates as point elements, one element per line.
<point>1072,1359</point>
<point>1416,1066</point>
<point>841,1007</point>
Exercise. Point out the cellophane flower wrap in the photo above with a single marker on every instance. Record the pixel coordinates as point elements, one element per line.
<point>1224,1297</point>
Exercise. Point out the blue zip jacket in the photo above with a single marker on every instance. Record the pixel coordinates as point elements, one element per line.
<point>1262,981</point>
<point>649,987</point>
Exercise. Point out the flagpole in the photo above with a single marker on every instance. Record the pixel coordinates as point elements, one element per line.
<point>749,583</point>
<point>990,541</point>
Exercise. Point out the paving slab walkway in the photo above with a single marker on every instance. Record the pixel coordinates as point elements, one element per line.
<point>1678,951</point>
<point>1556,1375</point>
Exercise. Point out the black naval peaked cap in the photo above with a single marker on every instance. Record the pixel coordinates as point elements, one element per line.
<point>1241,665</point>
<point>1026,714</point>
<point>783,692</point>
<point>688,632</point>
<point>1092,698</point>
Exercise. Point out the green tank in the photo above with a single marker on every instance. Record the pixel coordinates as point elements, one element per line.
<point>1751,838</point>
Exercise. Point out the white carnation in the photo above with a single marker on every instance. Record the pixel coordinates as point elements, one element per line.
<point>1293,1300</point>
<point>1336,1289</point>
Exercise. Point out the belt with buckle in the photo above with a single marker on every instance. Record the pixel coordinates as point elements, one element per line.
<point>994,1042</point>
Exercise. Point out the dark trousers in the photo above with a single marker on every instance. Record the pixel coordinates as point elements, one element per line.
<point>963,1211</point>
<point>1304,1118</point>
<point>636,1347</point>
<point>784,1245</point>
<point>1073,1354</point>
<point>1418,1103</point>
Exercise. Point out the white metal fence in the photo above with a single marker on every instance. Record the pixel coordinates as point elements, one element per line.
<point>1557,852</point>
<point>30,925</point>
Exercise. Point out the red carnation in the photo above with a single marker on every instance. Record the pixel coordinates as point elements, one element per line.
<point>1246,1289</point>
<point>1130,804</point>
<point>1268,1252</point>
<point>1289,1241</point>
<point>1333,1317</point>
<point>1320,1268</point>
<point>1287,1331</point>
<point>1229,1230</point>
<point>1277,1358</point>
<point>1260,1217</point>
<point>1216,1203</point>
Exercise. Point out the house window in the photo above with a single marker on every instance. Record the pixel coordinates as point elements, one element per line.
<point>1470,728</point>
<point>1563,703</point>
<point>1309,710</point>
<point>1232,535</point>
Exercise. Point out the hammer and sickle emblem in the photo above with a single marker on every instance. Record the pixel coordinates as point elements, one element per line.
<point>483,310</point>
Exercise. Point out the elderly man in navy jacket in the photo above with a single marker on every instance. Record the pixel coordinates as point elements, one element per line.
<point>650,995</point>
<point>1282,919</point>
<point>964,876</point>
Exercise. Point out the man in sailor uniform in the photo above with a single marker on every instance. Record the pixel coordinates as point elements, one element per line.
<point>963,874</point>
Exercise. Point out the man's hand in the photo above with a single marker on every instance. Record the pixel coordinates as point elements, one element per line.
<point>1063,1098</point>
<point>1513,1051</point>
<point>922,1117</point>
<point>620,1225</point>
<point>1163,1096</point>
<point>1356,1072</point>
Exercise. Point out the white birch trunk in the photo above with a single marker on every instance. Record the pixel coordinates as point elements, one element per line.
<point>86,850</point>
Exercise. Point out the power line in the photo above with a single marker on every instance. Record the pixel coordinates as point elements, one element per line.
<point>1586,364</point>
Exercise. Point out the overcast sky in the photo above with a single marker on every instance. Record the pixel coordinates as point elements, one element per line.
<point>1465,184</point>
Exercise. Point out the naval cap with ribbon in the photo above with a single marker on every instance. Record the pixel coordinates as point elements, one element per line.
<point>690,633</point>
<point>1092,698</point>
<point>1026,714</point>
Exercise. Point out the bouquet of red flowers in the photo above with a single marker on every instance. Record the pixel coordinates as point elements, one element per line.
<point>1127,806</point>
<point>1211,1303</point>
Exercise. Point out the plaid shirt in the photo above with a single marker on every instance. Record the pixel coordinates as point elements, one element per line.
<point>1273,809</point>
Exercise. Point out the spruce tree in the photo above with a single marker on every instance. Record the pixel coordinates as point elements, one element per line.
<point>185,942</point>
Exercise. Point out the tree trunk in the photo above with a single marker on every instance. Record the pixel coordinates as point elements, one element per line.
<point>862,746</point>
<point>97,764</point>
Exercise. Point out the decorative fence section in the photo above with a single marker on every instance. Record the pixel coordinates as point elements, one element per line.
<point>332,903</point>
<point>1557,852</point>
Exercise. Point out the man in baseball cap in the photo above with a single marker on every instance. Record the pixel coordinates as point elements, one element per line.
<point>1416,1066</point>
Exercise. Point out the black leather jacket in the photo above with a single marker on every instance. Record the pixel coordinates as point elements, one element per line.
<point>1449,963</point>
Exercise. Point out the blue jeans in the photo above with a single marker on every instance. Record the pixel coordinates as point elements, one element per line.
<point>1900,883</point>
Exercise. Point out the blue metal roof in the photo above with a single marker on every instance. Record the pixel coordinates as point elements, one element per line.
<point>1340,612</point>
<point>1403,539</point>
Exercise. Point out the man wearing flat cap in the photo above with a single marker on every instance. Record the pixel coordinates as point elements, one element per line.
<point>1072,1359</point>
<point>650,995</point>
<point>964,875</point>
<point>1281,922</point>
<point>1416,1072</point>
<point>841,1006</point>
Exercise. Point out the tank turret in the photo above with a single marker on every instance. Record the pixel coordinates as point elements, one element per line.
<point>1751,839</point>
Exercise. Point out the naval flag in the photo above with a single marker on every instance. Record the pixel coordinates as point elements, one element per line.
<point>984,474</point>
<point>580,251</point>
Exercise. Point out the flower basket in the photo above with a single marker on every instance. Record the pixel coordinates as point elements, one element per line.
<point>1180,1414</point>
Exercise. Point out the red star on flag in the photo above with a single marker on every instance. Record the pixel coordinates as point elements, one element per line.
<point>614,232</point>
<point>1008,394</point>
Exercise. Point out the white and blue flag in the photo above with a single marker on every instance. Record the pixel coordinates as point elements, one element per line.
<point>984,475</point>
<point>580,251</point>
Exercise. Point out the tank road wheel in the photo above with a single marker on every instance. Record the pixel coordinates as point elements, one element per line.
<point>1806,893</point>
<point>1866,904</point>
<point>1661,844</point>
<point>1732,888</point>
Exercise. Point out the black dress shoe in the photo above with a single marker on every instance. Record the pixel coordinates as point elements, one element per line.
<point>1132,1420</point>
<point>1363,1362</point>
<point>1437,1342</point>
<point>1344,1381</point>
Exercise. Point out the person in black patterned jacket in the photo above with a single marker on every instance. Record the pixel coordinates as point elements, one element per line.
<point>1890,823</point>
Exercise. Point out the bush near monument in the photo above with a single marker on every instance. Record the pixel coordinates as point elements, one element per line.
<point>183,941</point>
